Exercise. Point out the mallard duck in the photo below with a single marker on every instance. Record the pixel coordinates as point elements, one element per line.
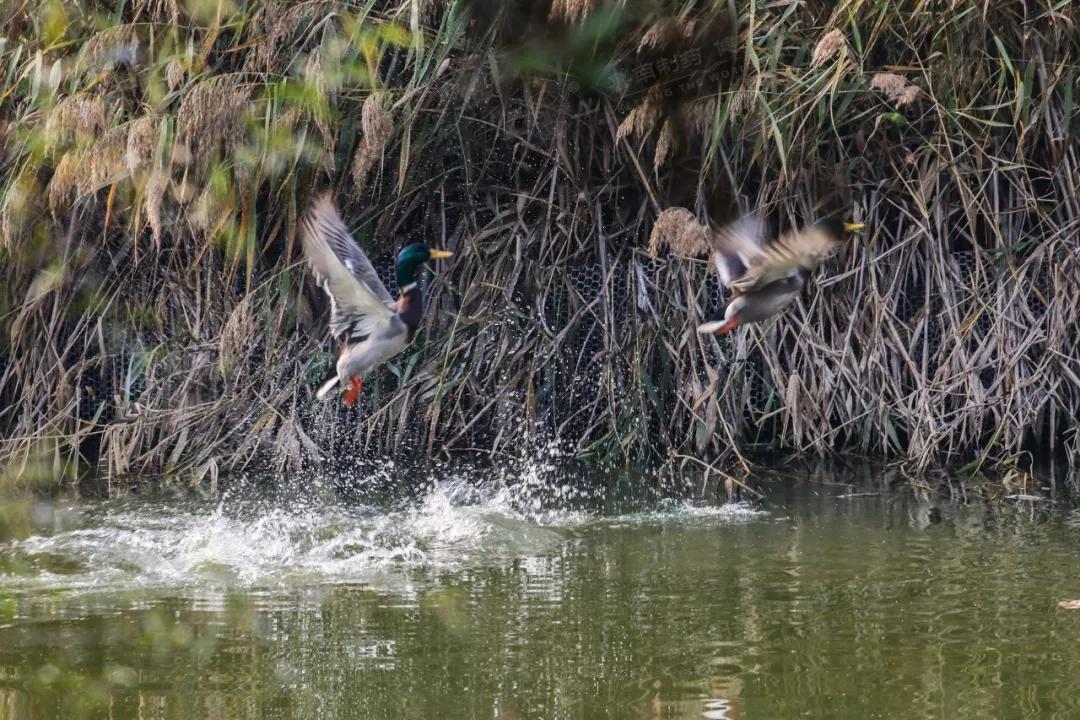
<point>764,278</point>
<point>373,326</point>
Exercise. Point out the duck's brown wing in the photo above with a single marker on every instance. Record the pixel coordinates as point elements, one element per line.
<point>785,256</point>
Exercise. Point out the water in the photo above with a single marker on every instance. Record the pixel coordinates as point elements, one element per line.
<point>816,602</point>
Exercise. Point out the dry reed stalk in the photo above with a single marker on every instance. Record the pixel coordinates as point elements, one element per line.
<point>152,202</point>
<point>18,207</point>
<point>174,74</point>
<point>88,169</point>
<point>666,143</point>
<point>279,21</point>
<point>159,10</point>
<point>946,333</point>
<point>742,101</point>
<point>316,76</point>
<point>697,116</point>
<point>67,177</point>
<point>665,33</point>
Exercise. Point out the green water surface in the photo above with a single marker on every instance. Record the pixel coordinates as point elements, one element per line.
<point>816,602</point>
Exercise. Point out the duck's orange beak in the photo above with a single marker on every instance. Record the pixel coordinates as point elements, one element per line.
<point>441,254</point>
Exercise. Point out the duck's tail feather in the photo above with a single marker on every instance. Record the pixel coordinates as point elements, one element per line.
<point>326,387</point>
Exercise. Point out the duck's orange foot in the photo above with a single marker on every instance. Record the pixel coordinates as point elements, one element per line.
<point>718,327</point>
<point>727,327</point>
<point>353,391</point>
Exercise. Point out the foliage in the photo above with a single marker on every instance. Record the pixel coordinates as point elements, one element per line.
<point>157,155</point>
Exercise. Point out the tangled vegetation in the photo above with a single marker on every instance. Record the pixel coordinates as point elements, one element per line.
<point>156,155</point>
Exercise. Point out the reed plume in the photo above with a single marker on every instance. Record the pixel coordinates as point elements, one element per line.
<point>831,45</point>
<point>378,127</point>
<point>896,88</point>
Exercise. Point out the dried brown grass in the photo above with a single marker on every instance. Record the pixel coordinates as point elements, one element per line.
<point>666,144</point>
<point>831,45</point>
<point>18,207</point>
<point>142,142</point>
<point>111,48</point>
<point>152,203</point>
<point>667,33</point>
<point>571,10</point>
<point>158,11</point>
<point>212,118</point>
<point>896,88</point>
<point>76,118</point>
<point>170,328</point>
<point>280,21</point>
<point>174,73</point>
<point>697,117</point>
<point>680,232</point>
<point>642,120</point>
<point>85,170</point>
<point>378,128</point>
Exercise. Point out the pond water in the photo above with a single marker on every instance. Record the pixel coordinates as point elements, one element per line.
<point>818,601</point>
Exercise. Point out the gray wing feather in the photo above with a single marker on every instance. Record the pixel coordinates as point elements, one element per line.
<point>736,247</point>
<point>329,224</point>
<point>359,302</point>
<point>786,256</point>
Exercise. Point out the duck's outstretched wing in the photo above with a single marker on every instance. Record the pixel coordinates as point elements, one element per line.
<point>736,247</point>
<point>787,255</point>
<point>359,302</point>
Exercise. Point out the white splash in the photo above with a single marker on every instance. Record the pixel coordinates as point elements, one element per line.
<point>458,522</point>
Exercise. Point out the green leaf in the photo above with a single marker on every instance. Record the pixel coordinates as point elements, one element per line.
<point>395,34</point>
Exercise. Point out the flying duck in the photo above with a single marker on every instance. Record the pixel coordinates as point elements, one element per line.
<point>372,326</point>
<point>764,278</point>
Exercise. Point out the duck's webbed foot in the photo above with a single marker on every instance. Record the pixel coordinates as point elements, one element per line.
<point>353,391</point>
<point>718,327</point>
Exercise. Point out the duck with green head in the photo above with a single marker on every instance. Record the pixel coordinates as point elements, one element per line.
<point>764,278</point>
<point>372,325</point>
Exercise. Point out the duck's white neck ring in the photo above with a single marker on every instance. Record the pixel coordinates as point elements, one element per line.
<point>408,288</point>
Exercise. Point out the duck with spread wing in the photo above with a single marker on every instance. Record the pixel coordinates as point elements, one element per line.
<point>764,278</point>
<point>372,325</point>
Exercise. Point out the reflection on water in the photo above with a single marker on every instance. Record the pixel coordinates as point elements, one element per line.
<point>468,603</point>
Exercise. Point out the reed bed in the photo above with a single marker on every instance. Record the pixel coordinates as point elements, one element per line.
<point>156,157</point>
